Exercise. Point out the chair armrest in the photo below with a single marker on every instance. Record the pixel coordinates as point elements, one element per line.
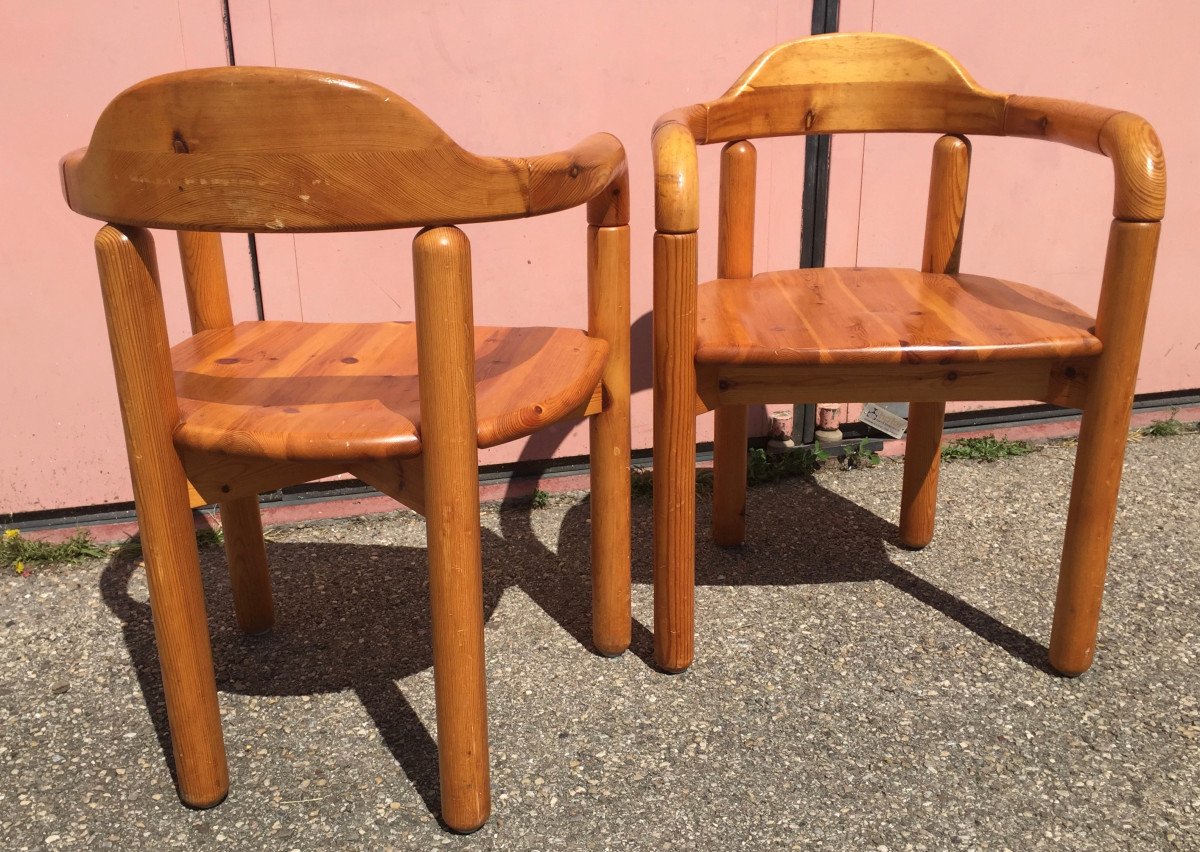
<point>1126,139</point>
<point>676,181</point>
<point>594,171</point>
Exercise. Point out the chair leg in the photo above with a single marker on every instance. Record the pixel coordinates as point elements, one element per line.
<point>922,459</point>
<point>141,364</point>
<point>1090,519</point>
<point>241,524</point>
<point>445,356</point>
<point>674,450</point>
<point>460,689</point>
<point>729,476</point>
<point>608,318</point>
<point>181,635</point>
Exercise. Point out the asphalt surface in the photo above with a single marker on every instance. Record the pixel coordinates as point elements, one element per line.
<point>847,694</point>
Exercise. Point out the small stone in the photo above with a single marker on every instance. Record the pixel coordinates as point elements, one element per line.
<point>58,689</point>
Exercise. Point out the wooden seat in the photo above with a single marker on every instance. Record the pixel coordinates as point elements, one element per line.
<point>883,316</point>
<point>856,335</point>
<point>239,398</point>
<point>236,410</point>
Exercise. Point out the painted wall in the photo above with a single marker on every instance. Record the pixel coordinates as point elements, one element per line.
<point>507,79</point>
<point>518,79</point>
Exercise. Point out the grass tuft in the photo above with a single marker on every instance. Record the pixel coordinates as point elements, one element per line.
<point>989,448</point>
<point>16,551</point>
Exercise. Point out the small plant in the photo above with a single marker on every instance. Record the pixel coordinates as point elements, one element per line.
<point>540,499</point>
<point>17,551</point>
<point>762,466</point>
<point>859,456</point>
<point>1168,428</point>
<point>989,448</point>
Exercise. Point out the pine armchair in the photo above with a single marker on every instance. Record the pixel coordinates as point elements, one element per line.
<point>927,336</point>
<point>237,409</point>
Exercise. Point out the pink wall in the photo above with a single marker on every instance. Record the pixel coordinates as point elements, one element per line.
<point>516,84</point>
<point>499,82</point>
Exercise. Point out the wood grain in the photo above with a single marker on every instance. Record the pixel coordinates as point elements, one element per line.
<point>446,354</point>
<point>944,219</point>
<point>674,469</point>
<point>859,335</point>
<point>280,149</point>
<point>348,392</point>
<point>735,259</point>
<point>138,336</point>
<point>1120,323</point>
<point>204,280</point>
<point>883,316</point>
<point>1050,380</point>
<point>1139,168</point>
<point>609,438</point>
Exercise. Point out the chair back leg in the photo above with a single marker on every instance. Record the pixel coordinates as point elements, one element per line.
<point>141,361</point>
<point>735,259</point>
<point>608,319</point>
<point>943,244</point>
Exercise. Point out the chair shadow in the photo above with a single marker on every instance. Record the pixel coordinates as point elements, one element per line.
<point>356,617</point>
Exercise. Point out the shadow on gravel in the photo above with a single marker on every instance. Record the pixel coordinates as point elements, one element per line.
<point>356,617</point>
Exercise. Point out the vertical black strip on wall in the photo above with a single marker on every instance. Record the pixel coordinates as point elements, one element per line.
<point>253,244</point>
<point>815,207</point>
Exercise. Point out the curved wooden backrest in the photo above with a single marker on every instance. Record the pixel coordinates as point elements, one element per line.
<point>852,82</point>
<point>278,149</point>
<point>874,82</point>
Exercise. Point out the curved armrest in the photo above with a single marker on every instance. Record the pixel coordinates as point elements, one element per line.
<point>1126,139</point>
<point>676,181</point>
<point>594,171</point>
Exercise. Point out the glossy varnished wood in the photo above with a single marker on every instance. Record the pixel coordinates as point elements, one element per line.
<point>349,392</point>
<point>1049,380</point>
<point>138,336</point>
<point>1124,301</point>
<point>944,218</point>
<point>883,316</point>
<point>674,471</point>
<point>287,150</point>
<point>735,259</point>
<point>442,275</point>
<point>608,320</point>
<point>207,289</point>
<point>239,409</point>
<point>931,337</point>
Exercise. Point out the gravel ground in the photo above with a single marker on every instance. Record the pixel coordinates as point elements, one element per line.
<point>847,694</point>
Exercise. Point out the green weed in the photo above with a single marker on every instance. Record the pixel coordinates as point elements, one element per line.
<point>858,456</point>
<point>1168,428</point>
<point>16,551</point>
<point>988,448</point>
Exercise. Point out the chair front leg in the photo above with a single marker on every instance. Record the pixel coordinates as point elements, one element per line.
<point>446,375</point>
<point>1120,321</point>
<point>674,449</point>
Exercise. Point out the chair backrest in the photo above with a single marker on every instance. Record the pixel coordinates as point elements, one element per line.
<point>285,150</point>
<point>870,82</point>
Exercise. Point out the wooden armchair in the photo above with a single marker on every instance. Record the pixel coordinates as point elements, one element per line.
<point>886,334</point>
<point>239,409</point>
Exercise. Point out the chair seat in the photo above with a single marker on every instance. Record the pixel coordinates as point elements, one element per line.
<point>348,391</point>
<point>883,316</point>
